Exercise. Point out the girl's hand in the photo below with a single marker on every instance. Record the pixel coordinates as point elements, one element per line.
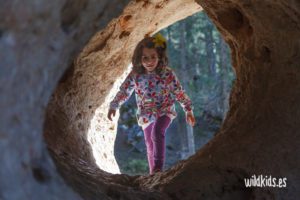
<point>190,119</point>
<point>111,112</point>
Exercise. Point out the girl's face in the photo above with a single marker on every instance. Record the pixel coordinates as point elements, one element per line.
<point>149,59</point>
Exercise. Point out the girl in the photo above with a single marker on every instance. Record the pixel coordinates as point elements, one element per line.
<point>156,89</point>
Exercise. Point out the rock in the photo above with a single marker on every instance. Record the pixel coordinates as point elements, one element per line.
<point>39,40</point>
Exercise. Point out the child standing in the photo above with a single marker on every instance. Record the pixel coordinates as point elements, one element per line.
<point>156,89</point>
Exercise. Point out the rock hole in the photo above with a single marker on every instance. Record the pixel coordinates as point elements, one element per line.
<point>231,19</point>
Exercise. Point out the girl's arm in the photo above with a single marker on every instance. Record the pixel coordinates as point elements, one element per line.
<point>124,93</point>
<point>180,94</point>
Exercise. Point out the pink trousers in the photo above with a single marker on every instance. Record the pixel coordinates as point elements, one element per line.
<point>155,142</point>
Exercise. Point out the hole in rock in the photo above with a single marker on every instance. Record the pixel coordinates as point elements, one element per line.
<point>200,59</point>
<point>87,147</point>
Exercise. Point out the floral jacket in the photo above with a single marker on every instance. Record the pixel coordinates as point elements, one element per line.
<point>155,95</point>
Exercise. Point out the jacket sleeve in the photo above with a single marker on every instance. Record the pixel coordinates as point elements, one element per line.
<point>124,92</point>
<point>180,95</point>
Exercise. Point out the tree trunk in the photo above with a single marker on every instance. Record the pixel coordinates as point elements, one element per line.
<point>188,146</point>
<point>212,103</point>
<point>211,58</point>
<point>223,78</point>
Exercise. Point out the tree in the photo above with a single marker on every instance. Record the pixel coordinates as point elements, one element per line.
<point>188,144</point>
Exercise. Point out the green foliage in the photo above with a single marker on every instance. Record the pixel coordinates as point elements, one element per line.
<point>136,166</point>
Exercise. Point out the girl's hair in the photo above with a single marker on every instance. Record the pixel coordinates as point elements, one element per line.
<point>148,42</point>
